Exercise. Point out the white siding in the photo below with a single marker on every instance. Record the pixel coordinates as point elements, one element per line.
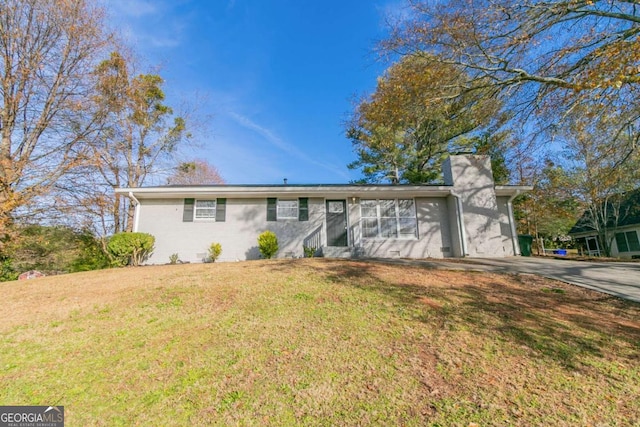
<point>472,180</point>
<point>433,241</point>
<point>505,226</point>
<point>245,220</point>
<point>483,229</point>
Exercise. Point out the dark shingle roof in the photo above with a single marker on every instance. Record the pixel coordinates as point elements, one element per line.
<point>629,213</point>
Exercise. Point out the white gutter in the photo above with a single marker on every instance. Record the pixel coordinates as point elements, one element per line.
<point>239,191</point>
<point>462,233</point>
<point>136,214</point>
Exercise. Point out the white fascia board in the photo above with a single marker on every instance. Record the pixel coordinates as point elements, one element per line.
<point>618,229</point>
<point>581,234</point>
<point>627,227</point>
<point>325,191</point>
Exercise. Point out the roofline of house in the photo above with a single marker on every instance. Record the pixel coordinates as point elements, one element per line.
<point>592,231</point>
<point>306,190</point>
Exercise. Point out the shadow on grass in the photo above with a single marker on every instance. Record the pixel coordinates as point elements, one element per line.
<point>557,321</point>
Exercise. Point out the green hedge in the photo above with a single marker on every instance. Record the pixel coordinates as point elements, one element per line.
<point>131,248</point>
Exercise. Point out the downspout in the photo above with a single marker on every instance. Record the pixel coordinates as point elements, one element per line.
<point>136,214</point>
<point>512,225</point>
<point>461,229</point>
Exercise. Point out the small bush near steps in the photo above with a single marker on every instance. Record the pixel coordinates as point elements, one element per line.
<point>214,251</point>
<point>268,244</point>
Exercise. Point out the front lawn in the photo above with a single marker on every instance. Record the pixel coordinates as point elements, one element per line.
<point>318,342</point>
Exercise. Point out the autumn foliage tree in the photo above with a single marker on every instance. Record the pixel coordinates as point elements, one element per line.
<point>196,172</point>
<point>418,114</point>
<point>596,169</point>
<point>139,134</point>
<point>48,49</point>
<point>604,166</point>
<point>541,57</point>
<point>550,210</point>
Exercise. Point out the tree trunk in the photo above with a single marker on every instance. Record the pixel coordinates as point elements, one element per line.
<point>116,214</point>
<point>131,210</point>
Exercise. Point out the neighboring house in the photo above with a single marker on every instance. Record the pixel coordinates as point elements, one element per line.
<point>468,216</point>
<point>623,229</point>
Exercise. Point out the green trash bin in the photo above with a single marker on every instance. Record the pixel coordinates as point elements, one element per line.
<point>525,241</point>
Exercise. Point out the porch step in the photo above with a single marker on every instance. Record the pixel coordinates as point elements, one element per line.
<point>340,252</point>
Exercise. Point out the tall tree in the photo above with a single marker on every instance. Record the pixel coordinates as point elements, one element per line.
<point>196,172</point>
<point>604,167</point>
<point>418,114</point>
<point>140,132</point>
<point>550,210</point>
<point>541,56</point>
<point>48,49</point>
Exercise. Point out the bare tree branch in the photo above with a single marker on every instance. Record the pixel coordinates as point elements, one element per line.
<point>47,51</point>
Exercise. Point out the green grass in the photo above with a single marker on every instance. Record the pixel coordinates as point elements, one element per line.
<point>318,342</point>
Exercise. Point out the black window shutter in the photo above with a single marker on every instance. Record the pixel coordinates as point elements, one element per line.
<point>272,213</point>
<point>187,213</point>
<point>221,210</point>
<point>303,209</point>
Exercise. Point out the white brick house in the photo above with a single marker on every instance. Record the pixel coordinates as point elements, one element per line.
<point>467,216</point>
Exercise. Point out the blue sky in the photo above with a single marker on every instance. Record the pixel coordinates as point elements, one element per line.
<point>275,77</point>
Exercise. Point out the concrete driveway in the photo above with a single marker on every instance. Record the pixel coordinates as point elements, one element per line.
<point>621,279</point>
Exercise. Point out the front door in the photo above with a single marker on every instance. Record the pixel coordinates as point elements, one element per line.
<point>336,223</point>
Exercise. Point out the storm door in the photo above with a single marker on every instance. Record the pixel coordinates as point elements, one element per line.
<point>336,223</point>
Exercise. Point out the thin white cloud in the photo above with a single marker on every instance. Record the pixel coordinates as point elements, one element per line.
<point>135,8</point>
<point>266,133</point>
<point>394,12</point>
<point>162,42</point>
<point>144,39</point>
<point>237,163</point>
<point>278,142</point>
<point>138,22</point>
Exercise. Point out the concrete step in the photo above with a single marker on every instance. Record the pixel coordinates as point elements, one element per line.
<point>336,252</point>
<point>340,252</point>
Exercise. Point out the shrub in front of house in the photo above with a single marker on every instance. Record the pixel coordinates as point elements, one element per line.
<point>214,251</point>
<point>130,248</point>
<point>268,244</point>
<point>309,252</point>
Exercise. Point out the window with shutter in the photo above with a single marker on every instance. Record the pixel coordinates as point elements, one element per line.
<point>205,209</point>
<point>287,209</point>
<point>303,209</point>
<point>187,213</point>
<point>221,210</point>
<point>272,213</point>
<point>278,209</point>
